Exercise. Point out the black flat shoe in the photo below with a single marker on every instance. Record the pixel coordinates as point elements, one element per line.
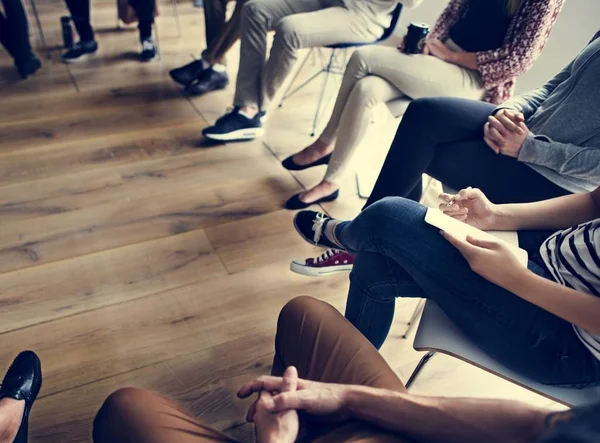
<point>295,203</point>
<point>23,381</point>
<point>290,165</point>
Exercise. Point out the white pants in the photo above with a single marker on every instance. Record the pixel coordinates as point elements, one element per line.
<point>377,74</point>
<point>297,24</point>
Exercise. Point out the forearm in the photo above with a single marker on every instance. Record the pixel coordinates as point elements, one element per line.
<point>578,308</point>
<point>554,214</point>
<point>465,59</point>
<point>447,419</point>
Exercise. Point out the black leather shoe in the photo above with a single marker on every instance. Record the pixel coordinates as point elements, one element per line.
<point>209,80</point>
<point>290,165</point>
<point>28,67</point>
<point>295,203</point>
<point>23,381</point>
<point>188,73</point>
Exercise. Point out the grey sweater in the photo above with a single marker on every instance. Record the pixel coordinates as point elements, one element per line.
<point>564,119</point>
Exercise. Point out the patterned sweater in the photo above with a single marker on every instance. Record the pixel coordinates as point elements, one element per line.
<point>525,39</point>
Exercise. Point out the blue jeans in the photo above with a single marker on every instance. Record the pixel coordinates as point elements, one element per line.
<point>397,254</point>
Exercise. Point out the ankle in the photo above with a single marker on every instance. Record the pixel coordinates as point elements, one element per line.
<point>249,110</point>
<point>11,415</point>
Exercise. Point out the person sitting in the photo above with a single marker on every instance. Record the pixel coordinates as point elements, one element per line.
<point>543,144</point>
<point>19,390</point>
<point>324,368</point>
<point>80,12</point>
<point>209,73</point>
<point>476,51</point>
<point>14,36</point>
<point>297,25</point>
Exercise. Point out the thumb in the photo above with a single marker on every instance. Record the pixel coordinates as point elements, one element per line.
<point>290,380</point>
<point>491,244</point>
<point>287,401</point>
<point>266,400</point>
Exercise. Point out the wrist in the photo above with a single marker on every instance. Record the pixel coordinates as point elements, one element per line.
<point>519,281</point>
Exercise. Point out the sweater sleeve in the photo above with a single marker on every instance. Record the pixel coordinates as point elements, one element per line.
<point>567,159</point>
<point>529,102</point>
<point>453,12</point>
<point>524,42</point>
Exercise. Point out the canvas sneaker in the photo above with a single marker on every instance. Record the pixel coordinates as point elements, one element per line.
<point>330,262</point>
<point>80,51</point>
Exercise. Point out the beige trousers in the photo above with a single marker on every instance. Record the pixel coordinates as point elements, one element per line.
<point>377,74</point>
<point>297,24</point>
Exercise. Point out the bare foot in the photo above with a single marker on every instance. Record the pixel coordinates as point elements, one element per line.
<point>323,189</point>
<point>11,414</point>
<point>318,149</point>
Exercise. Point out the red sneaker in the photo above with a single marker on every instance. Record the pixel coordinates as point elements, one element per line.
<point>330,262</point>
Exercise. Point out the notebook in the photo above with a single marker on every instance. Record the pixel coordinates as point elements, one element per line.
<point>437,218</point>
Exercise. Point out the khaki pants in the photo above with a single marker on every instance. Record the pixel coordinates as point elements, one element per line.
<point>297,24</point>
<point>311,335</point>
<point>221,34</point>
<point>378,74</point>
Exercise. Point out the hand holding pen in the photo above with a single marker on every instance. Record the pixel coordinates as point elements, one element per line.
<point>470,206</point>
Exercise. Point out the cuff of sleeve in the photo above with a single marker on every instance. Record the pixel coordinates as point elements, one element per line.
<point>530,150</point>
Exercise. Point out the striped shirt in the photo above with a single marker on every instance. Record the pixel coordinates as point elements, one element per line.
<point>573,261</point>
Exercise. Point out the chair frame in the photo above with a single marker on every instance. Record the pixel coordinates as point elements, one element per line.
<point>38,23</point>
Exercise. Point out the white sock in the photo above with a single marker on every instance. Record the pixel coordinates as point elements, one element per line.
<point>248,116</point>
<point>329,233</point>
<point>218,67</point>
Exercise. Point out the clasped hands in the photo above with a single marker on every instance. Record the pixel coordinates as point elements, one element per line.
<point>275,411</point>
<point>505,132</point>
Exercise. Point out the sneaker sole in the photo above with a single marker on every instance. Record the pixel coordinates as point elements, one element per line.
<point>240,134</point>
<point>83,58</point>
<point>301,268</point>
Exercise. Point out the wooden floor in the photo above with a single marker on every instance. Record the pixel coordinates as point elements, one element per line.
<point>131,253</point>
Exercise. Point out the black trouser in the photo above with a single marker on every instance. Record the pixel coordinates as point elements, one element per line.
<point>14,31</point>
<point>80,13</point>
<point>443,137</point>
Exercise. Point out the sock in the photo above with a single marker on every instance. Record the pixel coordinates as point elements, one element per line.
<point>329,233</point>
<point>248,116</point>
<point>218,67</point>
<point>205,63</point>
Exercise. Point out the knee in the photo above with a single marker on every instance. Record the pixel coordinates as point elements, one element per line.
<point>429,110</point>
<point>395,214</point>
<point>365,91</point>
<point>297,309</point>
<point>286,33</point>
<point>117,405</point>
<point>253,11</point>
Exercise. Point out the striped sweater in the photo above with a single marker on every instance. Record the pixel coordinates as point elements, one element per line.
<point>572,258</point>
<point>525,39</point>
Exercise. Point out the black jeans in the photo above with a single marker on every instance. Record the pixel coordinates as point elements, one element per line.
<point>397,254</point>
<point>443,137</point>
<point>14,31</point>
<point>80,13</point>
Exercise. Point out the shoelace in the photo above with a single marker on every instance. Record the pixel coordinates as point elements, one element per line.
<point>147,45</point>
<point>317,227</point>
<point>330,253</point>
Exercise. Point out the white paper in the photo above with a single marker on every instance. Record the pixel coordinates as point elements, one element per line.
<point>437,218</point>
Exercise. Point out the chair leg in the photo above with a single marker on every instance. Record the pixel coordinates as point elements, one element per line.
<point>287,94</point>
<point>157,42</point>
<point>418,369</point>
<point>413,319</point>
<point>40,30</point>
<point>322,94</point>
<point>176,15</point>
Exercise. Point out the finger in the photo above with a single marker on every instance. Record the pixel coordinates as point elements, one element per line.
<point>290,380</point>
<point>267,383</point>
<point>251,412</point>
<point>509,124</point>
<point>265,399</point>
<point>290,400</point>
<point>445,197</point>
<point>495,136</point>
<point>492,144</point>
<point>464,247</point>
<point>516,116</point>
<point>462,212</point>
<point>483,243</point>
<point>447,209</point>
<point>498,126</point>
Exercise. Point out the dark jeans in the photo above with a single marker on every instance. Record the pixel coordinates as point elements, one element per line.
<point>397,254</point>
<point>14,31</point>
<point>443,137</point>
<point>80,13</point>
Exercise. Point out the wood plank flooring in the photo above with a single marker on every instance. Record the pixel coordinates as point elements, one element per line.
<point>134,253</point>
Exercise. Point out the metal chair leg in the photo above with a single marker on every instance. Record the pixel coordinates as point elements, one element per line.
<point>40,30</point>
<point>419,367</point>
<point>413,319</point>
<point>287,94</point>
<point>322,94</point>
<point>157,42</point>
<point>176,15</point>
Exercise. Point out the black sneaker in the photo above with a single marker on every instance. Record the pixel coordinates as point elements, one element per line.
<point>148,50</point>
<point>311,225</point>
<point>235,126</point>
<point>80,51</point>
<point>188,73</point>
<point>28,67</point>
<point>209,80</point>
